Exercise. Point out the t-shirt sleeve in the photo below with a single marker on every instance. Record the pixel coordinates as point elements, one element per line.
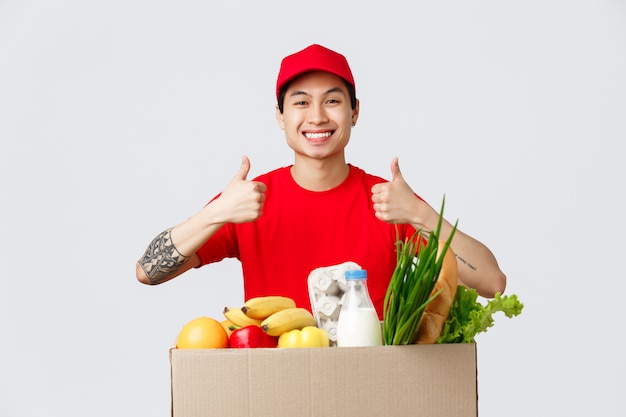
<point>221,245</point>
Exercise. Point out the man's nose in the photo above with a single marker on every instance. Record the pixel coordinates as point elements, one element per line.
<point>317,114</point>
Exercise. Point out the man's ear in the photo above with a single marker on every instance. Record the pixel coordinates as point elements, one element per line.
<point>355,113</point>
<point>279,118</point>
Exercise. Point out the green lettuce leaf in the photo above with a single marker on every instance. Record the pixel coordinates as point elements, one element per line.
<point>468,317</point>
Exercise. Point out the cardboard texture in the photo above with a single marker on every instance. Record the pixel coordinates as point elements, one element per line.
<point>384,381</point>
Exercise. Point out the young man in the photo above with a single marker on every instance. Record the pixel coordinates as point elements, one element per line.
<point>318,212</point>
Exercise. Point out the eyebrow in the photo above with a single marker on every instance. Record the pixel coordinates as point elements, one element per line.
<point>332,90</point>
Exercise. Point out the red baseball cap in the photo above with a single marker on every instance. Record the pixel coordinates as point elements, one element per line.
<point>313,58</point>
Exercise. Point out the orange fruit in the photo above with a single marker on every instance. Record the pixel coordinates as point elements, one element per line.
<point>202,333</point>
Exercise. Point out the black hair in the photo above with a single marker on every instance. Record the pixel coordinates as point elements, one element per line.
<point>283,90</point>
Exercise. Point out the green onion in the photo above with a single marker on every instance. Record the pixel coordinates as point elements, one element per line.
<point>411,285</point>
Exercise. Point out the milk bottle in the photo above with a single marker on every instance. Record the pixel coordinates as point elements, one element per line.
<point>358,323</point>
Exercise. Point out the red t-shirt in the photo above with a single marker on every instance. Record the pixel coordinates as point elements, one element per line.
<point>301,230</point>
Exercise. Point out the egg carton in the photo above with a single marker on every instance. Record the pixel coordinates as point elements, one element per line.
<point>326,288</point>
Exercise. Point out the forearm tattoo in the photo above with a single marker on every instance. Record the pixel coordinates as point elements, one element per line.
<point>469,265</point>
<point>161,258</point>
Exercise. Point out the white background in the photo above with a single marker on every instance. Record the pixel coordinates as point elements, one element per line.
<point>119,119</point>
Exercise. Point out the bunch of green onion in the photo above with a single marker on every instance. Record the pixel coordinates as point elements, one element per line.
<point>412,283</point>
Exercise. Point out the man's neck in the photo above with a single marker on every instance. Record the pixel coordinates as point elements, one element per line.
<point>319,175</point>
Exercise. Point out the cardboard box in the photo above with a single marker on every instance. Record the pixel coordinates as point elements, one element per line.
<point>385,381</point>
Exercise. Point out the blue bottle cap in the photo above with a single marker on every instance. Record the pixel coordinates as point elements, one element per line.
<point>356,274</point>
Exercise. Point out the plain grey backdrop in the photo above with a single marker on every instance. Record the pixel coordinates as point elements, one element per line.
<point>119,119</point>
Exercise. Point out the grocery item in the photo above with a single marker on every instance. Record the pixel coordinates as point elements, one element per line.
<point>468,317</point>
<point>309,336</point>
<point>228,326</point>
<point>326,288</point>
<point>410,290</point>
<point>436,312</point>
<point>202,333</point>
<point>285,320</point>
<point>262,307</point>
<point>252,337</point>
<point>358,323</point>
<point>236,316</point>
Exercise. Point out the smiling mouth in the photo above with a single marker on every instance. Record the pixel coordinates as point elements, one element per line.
<point>317,135</point>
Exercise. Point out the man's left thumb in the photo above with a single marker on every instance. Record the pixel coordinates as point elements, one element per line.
<point>395,170</point>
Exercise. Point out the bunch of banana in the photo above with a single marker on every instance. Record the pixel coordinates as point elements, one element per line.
<point>283,321</point>
<point>257,309</point>
<point>274,314</point>
<point>262,307</point>
<point>238,318</point>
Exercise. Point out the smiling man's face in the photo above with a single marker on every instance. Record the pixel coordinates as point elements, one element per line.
<point>317,116</point>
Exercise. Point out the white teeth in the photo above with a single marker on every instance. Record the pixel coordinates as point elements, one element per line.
<point>317,135</point>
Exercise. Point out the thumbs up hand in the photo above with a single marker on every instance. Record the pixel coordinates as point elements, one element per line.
<point>242,200</point>
<point>395,201</point>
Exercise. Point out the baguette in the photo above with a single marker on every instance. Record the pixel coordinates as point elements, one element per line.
<point>437,311</point>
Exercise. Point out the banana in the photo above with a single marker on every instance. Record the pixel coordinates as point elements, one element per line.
<point>238,318</point>
<point>286,320</point>
<point>263,307</point>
